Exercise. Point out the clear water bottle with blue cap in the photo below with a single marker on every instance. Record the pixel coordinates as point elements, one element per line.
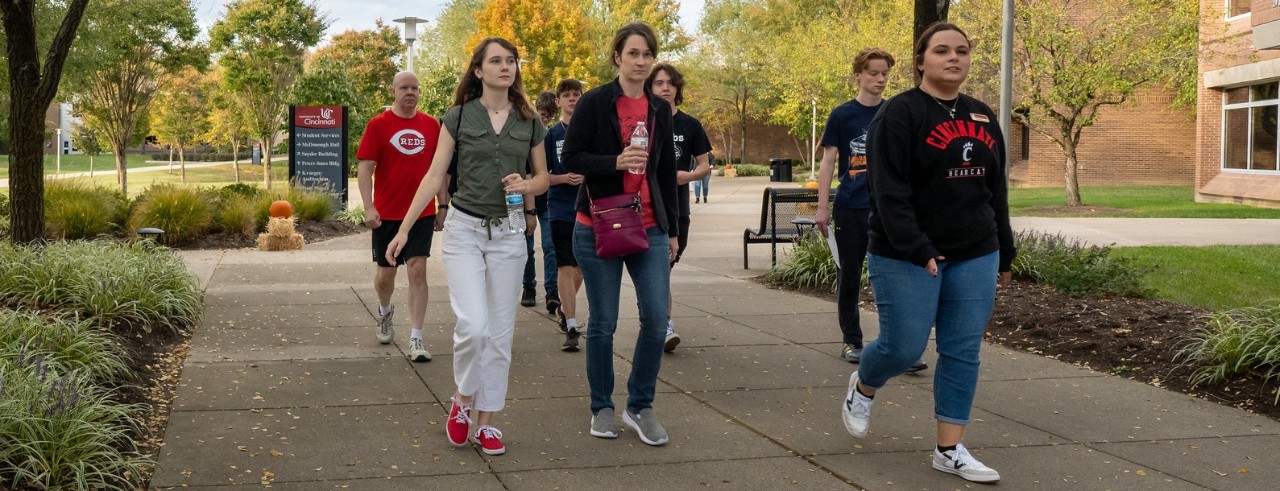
<point>515,212</point>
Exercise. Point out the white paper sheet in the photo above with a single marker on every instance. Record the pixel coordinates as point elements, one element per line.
<point>831,243</point>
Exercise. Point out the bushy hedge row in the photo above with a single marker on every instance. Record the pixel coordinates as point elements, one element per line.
<point>1075,268</point>
<point>78,210</point>
<point>63,308</point>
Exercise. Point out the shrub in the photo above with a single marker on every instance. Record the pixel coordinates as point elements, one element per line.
<point>748,170</point>
<point>4,215</point>
<point>315,206</point>
<point>183,213</point>
<point>237,214</point>
<point>64,345</point>
<point>119,285</point>
<point>353,215</point>
<point>1234,342</point>
<point>240,189</point>
<point>1073,268</point>
<point>59,431</point>
<point>79,210</point>
<point>808,267</point>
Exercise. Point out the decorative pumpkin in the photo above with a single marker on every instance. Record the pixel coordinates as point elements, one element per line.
<point>280,209</point>
<point>811,184</point>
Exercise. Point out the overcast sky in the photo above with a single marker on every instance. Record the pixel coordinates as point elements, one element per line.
<point>361,14</point>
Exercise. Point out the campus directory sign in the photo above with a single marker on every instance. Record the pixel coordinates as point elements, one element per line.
<point>318,150</point>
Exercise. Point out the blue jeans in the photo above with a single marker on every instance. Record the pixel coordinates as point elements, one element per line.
<point>549,284</point>
<point>910,302</point>
<point>651,275</point>
<point>702,186</point>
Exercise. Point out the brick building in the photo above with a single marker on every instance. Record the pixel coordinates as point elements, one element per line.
<point>1146,142</point>
<point>1239,94</point>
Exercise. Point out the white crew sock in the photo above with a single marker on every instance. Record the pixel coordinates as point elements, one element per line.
<point>571,323</point>
<point>383,309</point>
<point>415,334</point>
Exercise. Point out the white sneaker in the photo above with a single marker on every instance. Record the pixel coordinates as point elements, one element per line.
<point>672,339</point>
<point>418,352</point>
<point>856,409</point>
<point>960,463</point>
<point>385,331</point>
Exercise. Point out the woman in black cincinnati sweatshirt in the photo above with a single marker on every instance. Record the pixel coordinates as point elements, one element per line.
<point>939,240</point>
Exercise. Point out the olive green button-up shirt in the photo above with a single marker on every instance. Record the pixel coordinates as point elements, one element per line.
<point>485,157</point>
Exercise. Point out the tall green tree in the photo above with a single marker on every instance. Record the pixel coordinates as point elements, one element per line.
<point>354,70</point>
<point>227,122</point>
<point>1075,57</point>
<point>88,141</point>
<point>135,45</point>
<point>33,82</point>
<point>180,116</point>
<point>261,44</point>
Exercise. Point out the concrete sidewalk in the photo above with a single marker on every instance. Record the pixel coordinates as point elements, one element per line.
<point>286,384</point>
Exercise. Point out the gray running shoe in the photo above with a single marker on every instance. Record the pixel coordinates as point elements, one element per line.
<point>602,424</point>
<point>417,351</point>
<point>646,425</point>
<point>385,331</point>
<point>571,340</point>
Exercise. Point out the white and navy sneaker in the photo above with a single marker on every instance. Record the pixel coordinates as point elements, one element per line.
<point>960,463</point>
<point>856,409</point>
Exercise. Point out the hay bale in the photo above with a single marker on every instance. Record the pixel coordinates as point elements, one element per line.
<point>280,236</point>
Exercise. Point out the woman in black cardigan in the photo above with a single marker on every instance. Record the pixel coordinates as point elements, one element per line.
<point>598,146</point>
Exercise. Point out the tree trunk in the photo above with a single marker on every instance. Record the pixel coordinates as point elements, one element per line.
<point>927,12</point>
<point>1073,183</point>
<point>266,164</point>
<point>182,162</point>
<point>235,158</point>
<point>171,159</point>
<point>122,168</point>
<point>90,165</point>
<point>31,89</point>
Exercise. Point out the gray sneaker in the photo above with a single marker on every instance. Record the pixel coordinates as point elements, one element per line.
<point>646,425</point>
<point>417,351</point>
<point>672,340</point>
<point>602,424</point>
<point>385,331</point>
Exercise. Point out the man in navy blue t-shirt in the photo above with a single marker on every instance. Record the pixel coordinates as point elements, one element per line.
<point>845,141</point>
<point>562,196</point>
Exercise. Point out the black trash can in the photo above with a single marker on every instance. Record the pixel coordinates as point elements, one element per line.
<point>779,170</point>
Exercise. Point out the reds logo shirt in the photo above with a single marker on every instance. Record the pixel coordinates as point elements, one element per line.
<point>402,149</point>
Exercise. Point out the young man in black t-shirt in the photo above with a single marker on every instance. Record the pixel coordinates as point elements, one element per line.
<point>692,148</point>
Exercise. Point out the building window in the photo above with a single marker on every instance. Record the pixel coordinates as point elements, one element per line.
<point>1026,142</point>
<point>1237,8</point>
<point>1250,126</point>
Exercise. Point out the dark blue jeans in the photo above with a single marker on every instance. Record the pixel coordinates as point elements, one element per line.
<point>911,303</point>
<point>602,277</point>
<point>549,283</point>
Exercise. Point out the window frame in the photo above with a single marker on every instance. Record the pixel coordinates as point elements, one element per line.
<point>1249,105</point>
<point>1226,11</point>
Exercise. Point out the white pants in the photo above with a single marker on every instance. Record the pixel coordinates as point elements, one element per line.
<point>484,264</point>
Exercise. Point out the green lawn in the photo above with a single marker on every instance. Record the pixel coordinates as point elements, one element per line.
<point>1129,201</point>
<point>216,176</point>
<point>1215,278</point>
<point>76,163</point>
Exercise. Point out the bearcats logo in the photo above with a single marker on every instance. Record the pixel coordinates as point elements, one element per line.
<point>326,113</point>
<point>408,141</point>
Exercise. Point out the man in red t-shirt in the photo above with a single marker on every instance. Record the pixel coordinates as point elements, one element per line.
<point>394,155</point>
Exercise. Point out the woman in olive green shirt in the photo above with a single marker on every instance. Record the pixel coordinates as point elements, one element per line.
<point>496,132</point>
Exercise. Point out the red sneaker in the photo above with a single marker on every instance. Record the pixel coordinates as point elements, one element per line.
<point>490,440</point>
<point>459,424</point>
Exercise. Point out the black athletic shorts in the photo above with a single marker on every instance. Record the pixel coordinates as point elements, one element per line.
<point>419,240</point>
<point>683,240</point>
<point>562,238</point>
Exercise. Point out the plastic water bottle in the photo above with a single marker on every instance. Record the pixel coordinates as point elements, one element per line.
<point>515,212</point>
<point>639,138</point>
